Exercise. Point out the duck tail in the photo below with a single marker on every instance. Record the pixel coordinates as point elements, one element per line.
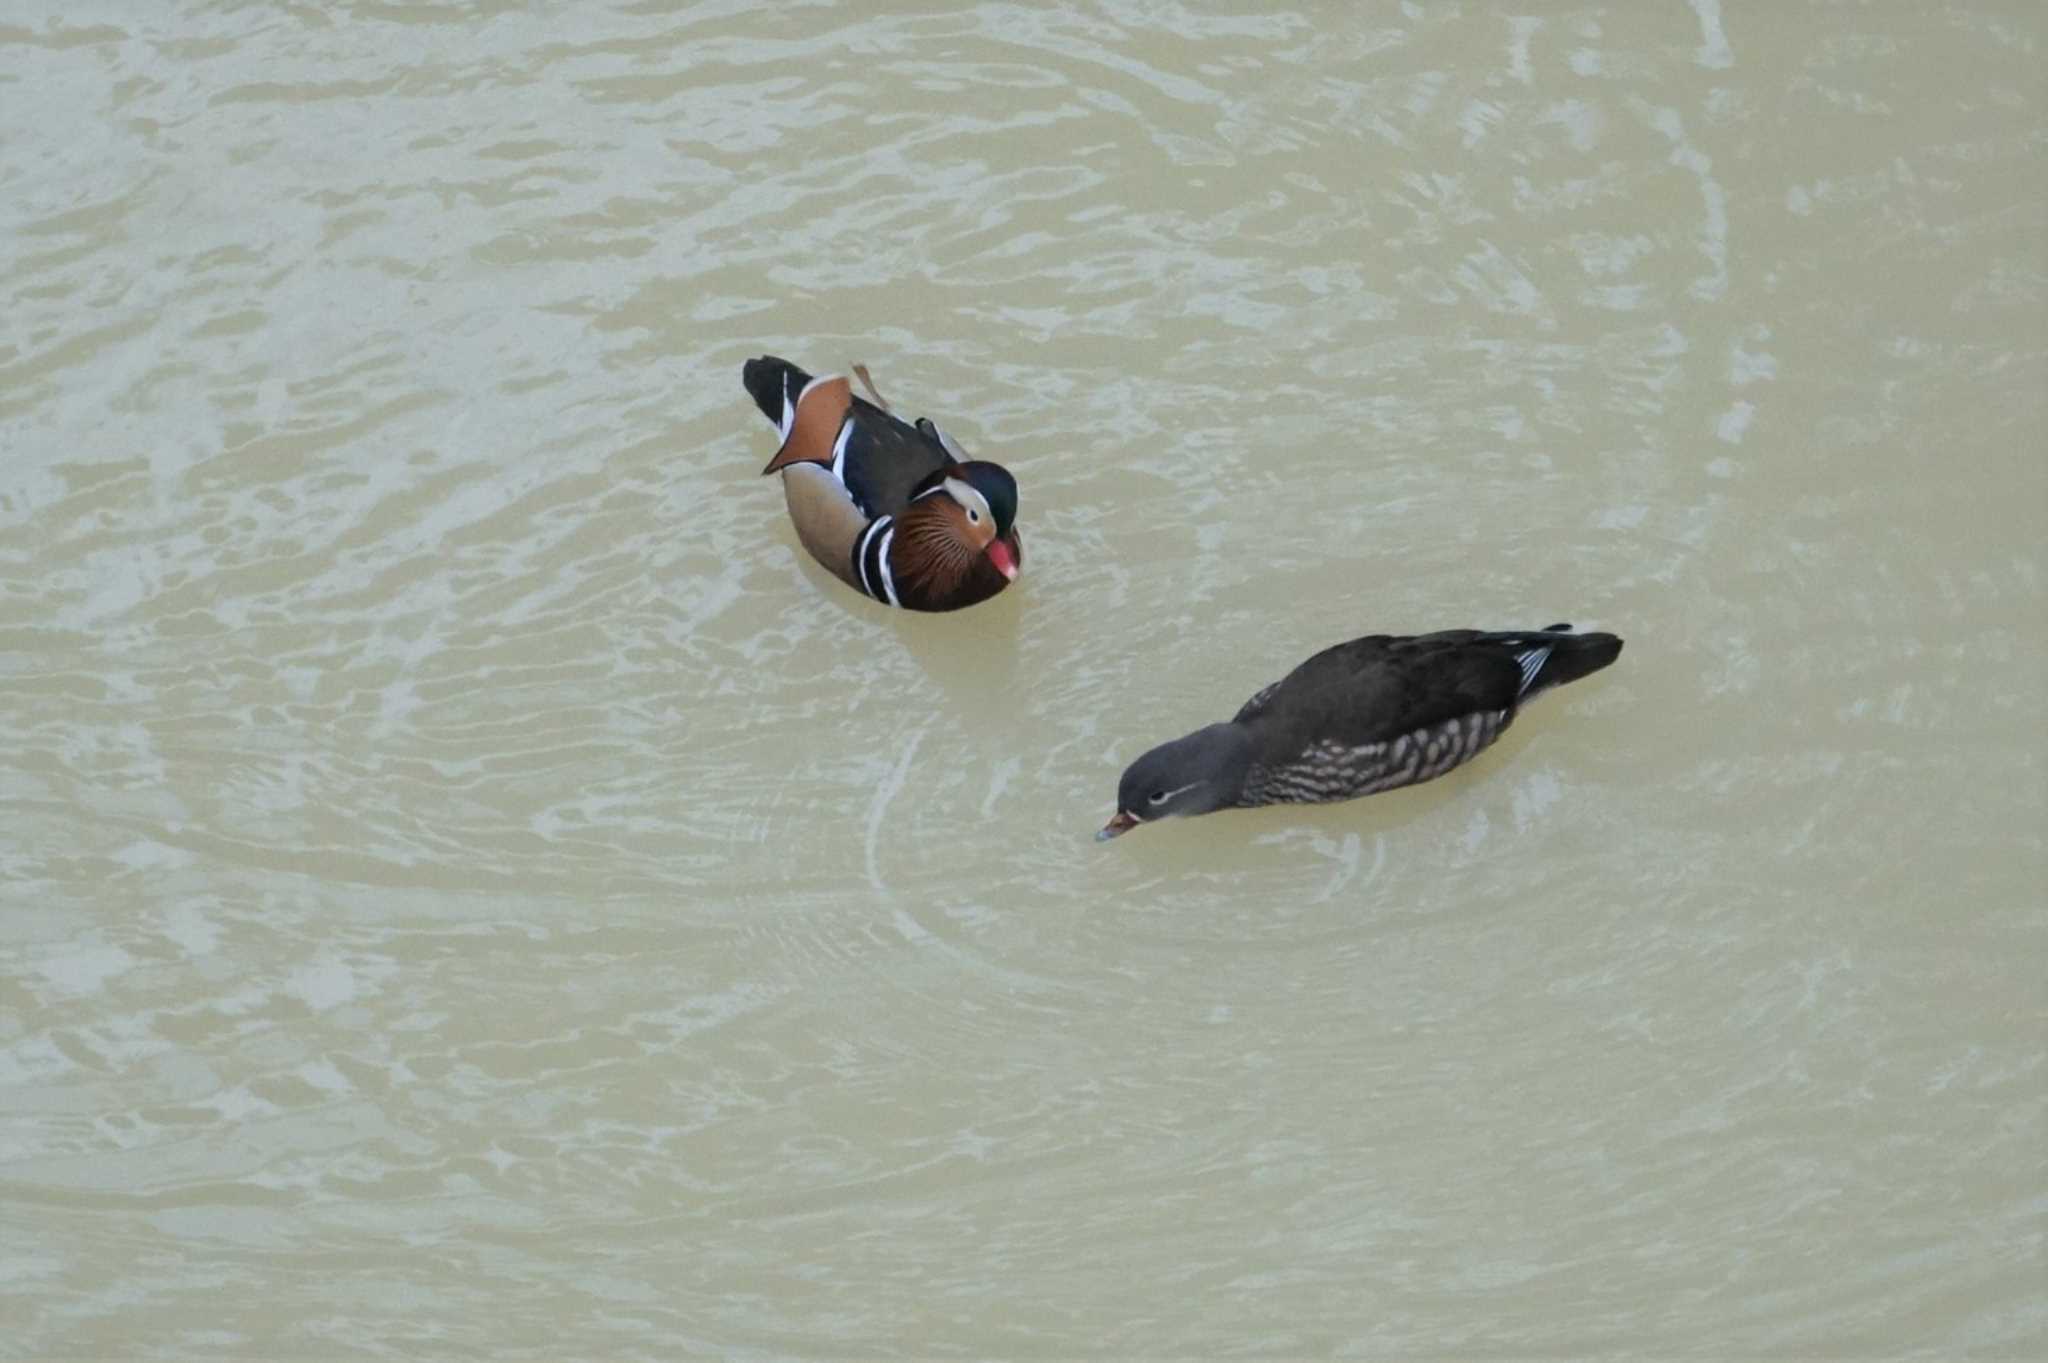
<point>1554,656</point>
<point>773,383</point>
<point>807,411</point>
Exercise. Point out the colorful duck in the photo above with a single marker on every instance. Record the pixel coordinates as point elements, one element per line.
<point>898,511</point>
<point>1365,716</point>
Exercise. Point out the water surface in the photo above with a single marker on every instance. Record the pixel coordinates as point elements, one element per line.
<point>469,884</point>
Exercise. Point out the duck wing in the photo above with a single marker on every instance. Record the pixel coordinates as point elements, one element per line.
<point>880,459</point>
<point>886,459</point>
<point>1377,688</point>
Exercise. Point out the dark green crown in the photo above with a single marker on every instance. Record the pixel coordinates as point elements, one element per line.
<point>994,482</point>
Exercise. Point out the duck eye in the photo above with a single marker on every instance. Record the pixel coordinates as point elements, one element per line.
<point>973,516</point>
<point>1157,797</point>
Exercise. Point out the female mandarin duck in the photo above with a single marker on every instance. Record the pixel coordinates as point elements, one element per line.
<point>1370,715</point>
<point>898,511</point>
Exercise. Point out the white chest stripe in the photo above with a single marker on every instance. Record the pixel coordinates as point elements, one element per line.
<point>888,579</point>
<point>860,553</point>
<point>1531,663</point>
<point>876,541</point>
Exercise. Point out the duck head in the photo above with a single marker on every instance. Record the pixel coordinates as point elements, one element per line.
<point>1195,774</point>
<point>961,524</point>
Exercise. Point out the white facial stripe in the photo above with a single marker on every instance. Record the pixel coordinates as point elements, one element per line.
<point>968,496</point>
<point>1166,797</point>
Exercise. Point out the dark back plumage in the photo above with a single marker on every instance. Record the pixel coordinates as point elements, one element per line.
<point>1384,685</point>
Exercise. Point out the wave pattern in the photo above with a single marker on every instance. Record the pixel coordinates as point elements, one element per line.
<point>468,883</point>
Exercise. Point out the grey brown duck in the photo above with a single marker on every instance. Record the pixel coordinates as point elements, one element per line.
<point>1361,717</point>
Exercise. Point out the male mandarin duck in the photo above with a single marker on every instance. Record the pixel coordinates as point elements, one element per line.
<point>897,511</point>
<point>1361,717</point>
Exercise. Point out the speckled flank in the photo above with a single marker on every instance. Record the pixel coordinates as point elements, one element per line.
<point>1332,771</point>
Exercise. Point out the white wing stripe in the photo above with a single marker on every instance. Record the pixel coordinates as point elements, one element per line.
<point>1531,663</point>
<point>839,448</point>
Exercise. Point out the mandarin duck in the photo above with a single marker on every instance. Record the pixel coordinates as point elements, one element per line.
<point>898,511</point>
<point>1360,717</point>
